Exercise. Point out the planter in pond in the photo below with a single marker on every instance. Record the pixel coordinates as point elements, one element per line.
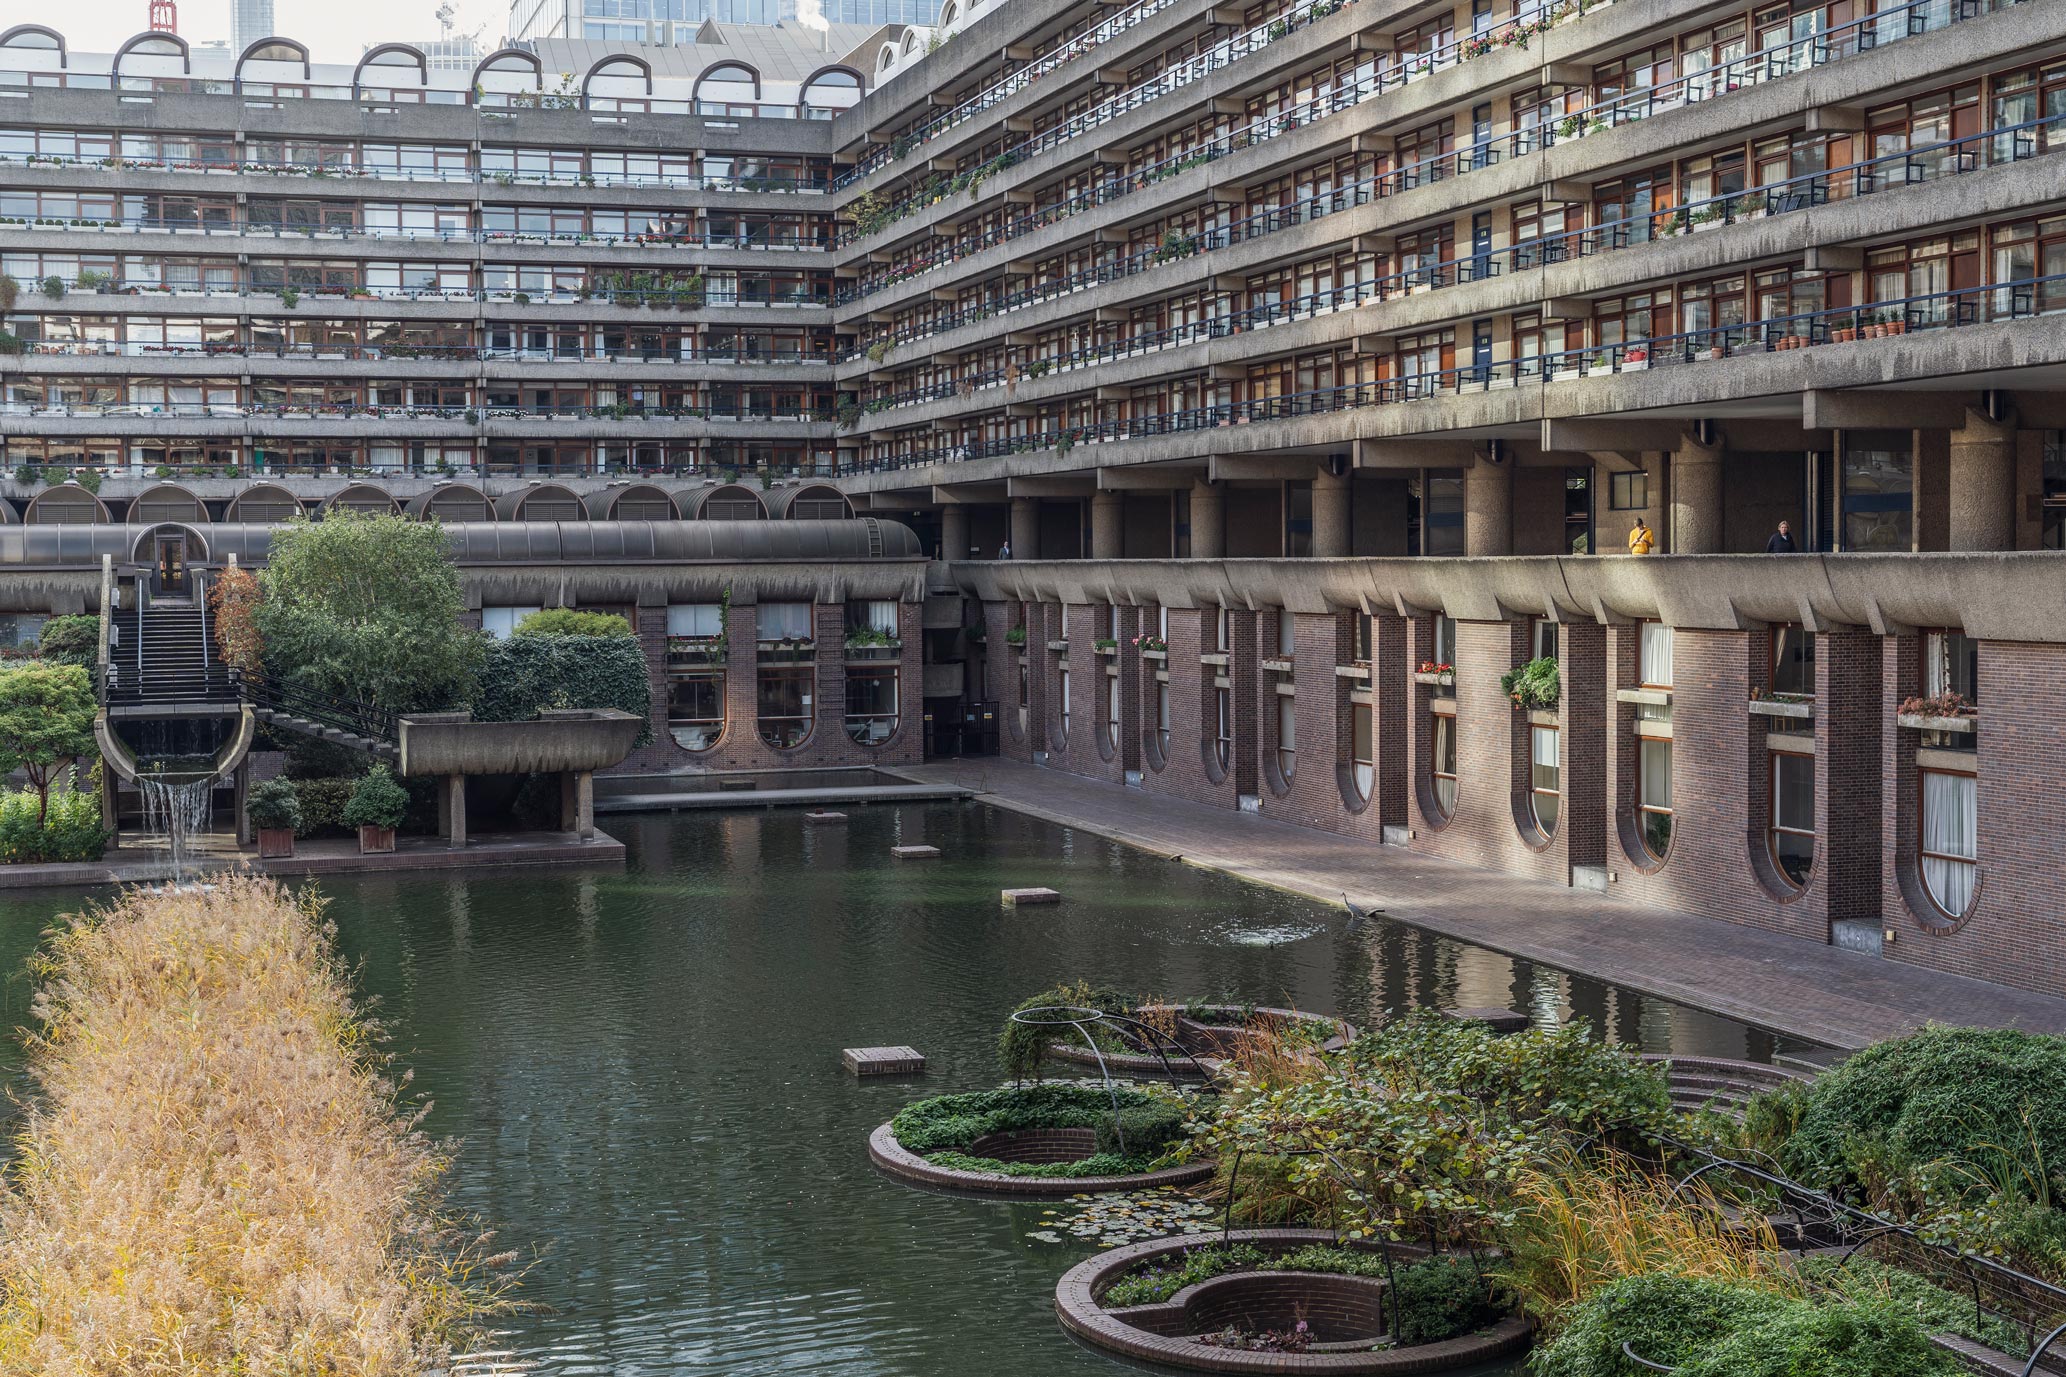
<point>1036,1142</point>
<point>1268,1301</point>
<point>1211,1033</point>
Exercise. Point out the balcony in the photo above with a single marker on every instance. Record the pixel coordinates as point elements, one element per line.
<point>788,652</point>
<point>696,652</point>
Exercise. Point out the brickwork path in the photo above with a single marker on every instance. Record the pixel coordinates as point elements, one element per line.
<point>1782,983</point>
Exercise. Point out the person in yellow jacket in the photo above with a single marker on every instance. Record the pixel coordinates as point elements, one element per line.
<point>1640,538</point>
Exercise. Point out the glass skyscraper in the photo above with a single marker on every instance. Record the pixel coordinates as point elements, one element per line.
<point>629,21</point>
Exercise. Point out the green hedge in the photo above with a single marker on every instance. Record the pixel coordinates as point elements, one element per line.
<point>525,674</point>
<point>323,802</point>
<point>940,1128</point>
<point>71,829</point>
<point>70,641</point>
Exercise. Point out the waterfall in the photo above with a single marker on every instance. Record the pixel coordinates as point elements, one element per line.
<point>181,810</point>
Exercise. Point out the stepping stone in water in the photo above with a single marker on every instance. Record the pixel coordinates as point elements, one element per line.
<point>883,1061</point>
<point>1503,1021</point>
<point>824,817</point>
<point>1014,898</point>
<point>915,853</point>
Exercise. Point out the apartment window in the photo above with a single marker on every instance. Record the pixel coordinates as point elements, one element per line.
<point>1543,782</point>
<point>1793,660</point>
<point>1362,749</point>
<point>871,704</point>
<point>1363,637</point>
<point>1445,639</point>
<point>1951,664</point>
<point>1950,839</point>
<point>1443,764</point>
<point>784,621</point>
<point>1436,511</point>
<point>1628,492</point>
<point>1655,655</point>
<point>696,708</point>
<point>502,622</point>
<point>1286,632</point>
<point>1223,727</point>
<point>1793,815</point>
<point>1062,709</point>
<point>2052,536</point>
<point>1223,631</point>
<point>1112,712</point>
<point>1298,518</point>
<point>1161,721</point>
<point>784,702</point>
<point>1542,639</point>
<point>1025,695</point>
<point>1878,490</point>
<point>1287,736</point>
<point>1653,792</point>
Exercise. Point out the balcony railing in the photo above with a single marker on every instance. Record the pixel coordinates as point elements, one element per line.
<point>2000,301</point>
<point>417,353</point>
<point>788,652</point>
<point>248,229</point>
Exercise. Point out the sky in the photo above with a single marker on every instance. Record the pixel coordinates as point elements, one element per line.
<point>335,30</point>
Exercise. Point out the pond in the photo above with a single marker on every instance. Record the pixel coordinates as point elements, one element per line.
<point>642,1065</point>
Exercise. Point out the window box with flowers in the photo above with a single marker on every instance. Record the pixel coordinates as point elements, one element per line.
<point>1016,638</point>
<point>1798,707</point>
<point>1939,712</point>
<point>695,651</point>
<point>789,650</point>
<point>1105,645</point>
<point>1440,675</point>
<point>1151,647</point>
<point>1533,686</point>
<point>871,643</point>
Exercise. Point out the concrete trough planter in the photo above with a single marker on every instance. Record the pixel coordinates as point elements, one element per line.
<point>915,853</point>
<point>1346,1314</point>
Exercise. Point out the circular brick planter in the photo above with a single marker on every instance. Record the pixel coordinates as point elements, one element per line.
<point>1346,1313</point>
<point>1218,1036</point>
<point>1032,1145</point>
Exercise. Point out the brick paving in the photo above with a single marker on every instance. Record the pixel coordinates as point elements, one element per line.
<point>1786,984</point>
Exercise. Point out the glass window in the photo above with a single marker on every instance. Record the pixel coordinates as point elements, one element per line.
<point>1542,635</point>
<point>1062,735</point>
<point>874,615</point>
<point>784,703</point>
<point>1793,815</point>
<point>500,622</point>
<point>1793,660</point>
<point>1653,794</point>
<point>1951,664</point>
<point>696,709</point>
<point>1286,633</point>
<point>1628,492</point>
<point>1223,631</point>
<point>1543,789</point>
<point>1287,736</point>
<point>1879,490</point>
<point>1445,640</point>
<point>1656,655</point>
<point>700,621</point>
<point>871,704</point>
<point>1162,719</point>
<point>1223,727</point>
<point>1363,637</point>
<point>1362,749</point>
<point>1950,840</point>
<point>1112,712</point>
<point>784,621</point>
<point>1445,764</point>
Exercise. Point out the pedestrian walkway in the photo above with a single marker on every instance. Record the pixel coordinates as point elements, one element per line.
<point>1840,998</point>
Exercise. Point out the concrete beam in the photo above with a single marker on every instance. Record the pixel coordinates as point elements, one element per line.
<point>1112,315</point>
<point>1568,308</point>
<point>1623,437</point>
<point>1051,485</point>
<point>1369,42</point>
<point>1836,119</point>
<point>1228,105</point>
<point>963,494</point>
<point>1403,455</point>
<point>1114,394</point>
<point>1380,244</point>
<point>1831,258</point>
<point>1113,76</point>
<point>1903,410</point>
<point>1565,74</point>
<point>1374,143</point>
<point>1147,479</point>
<point>1570,193</point>
<point>1228,468</point>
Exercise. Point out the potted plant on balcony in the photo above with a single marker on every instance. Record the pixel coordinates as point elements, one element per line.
<point>1016,636</point>
<point>376,807</point>
<point>275,812</point>
<point>1534,685</point>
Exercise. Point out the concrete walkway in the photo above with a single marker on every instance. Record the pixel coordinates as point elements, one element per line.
<point>1839,998</point>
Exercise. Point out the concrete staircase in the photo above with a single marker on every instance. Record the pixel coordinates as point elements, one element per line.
<point>167,658</point>
<point>1721,1083</point>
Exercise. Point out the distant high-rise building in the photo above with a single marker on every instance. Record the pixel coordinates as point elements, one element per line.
<point>250,20</point>
<point>675,21</point>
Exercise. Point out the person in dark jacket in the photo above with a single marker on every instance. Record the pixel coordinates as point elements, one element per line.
<point>1781,542</point>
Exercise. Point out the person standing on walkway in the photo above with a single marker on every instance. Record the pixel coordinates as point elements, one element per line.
<point>1640,538</point>
<point>1004,550</point>
<point>1781,542</point>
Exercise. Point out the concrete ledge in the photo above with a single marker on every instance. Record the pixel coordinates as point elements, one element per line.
<point>915,853</point>
<point>883,1061</point>
<point>1018,898</point>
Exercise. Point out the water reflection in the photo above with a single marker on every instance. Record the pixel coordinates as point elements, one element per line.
<point>642,1066</point>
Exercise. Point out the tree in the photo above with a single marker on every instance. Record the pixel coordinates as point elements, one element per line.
<point>366,609</point>
<point>70,641</point>
<point>233,599</point>
<point>46,723</point>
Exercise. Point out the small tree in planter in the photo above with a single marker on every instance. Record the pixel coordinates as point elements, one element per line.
<point>376,807</point>
<point>275,811</point>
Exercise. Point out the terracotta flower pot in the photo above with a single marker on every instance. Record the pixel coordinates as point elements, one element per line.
<point>275,843</point>
<point>373,840</point>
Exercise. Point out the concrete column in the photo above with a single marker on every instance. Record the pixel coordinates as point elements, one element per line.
<point>240,793</point>
<point>1208,521</point>
<point>1025,528</point>
<point>1107,525</point>
<point>954,535</point>
<point>1488,509</point>
<point>452,810</point>
<point>1982,499</point>
<point>584,804</point>
<point>1696,498</point>
<point>1331,527</point>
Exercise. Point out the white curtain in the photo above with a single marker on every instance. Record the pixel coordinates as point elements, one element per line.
<point>499,622</point>
<point>1951,831</point>
<point>881,616</point>
<point>695,619</point>
<point>1656,668</point>
<point>784,621</point>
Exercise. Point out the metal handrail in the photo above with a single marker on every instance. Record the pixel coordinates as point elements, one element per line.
<point>359,719</point>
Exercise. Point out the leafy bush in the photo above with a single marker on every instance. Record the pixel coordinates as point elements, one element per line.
<point>1022,1047</point>
<point>1668,1319</point>
<point>1533,685</point>
<point>1165,1276</point>
<point>1938,1311</point>
<point>376,801</point>
<point>1983,1099</point>
<point>569,621</point>
<point>274,804</point>
<point>322,805</point>
<point>526,674</point>
<point>70,641</point>
<point>1848,1339</point>
<point>1441,1297</point>
<point>939,1129</point>
<point>233,598</point>
<point>1147,1130</point>
<point>69,830</point>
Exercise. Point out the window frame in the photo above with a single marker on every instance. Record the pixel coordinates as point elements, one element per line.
<point>1775,829</point>
<point>1536,792</point>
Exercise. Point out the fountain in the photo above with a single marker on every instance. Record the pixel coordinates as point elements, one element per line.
<point>181,809</point>
<point>176,765</point>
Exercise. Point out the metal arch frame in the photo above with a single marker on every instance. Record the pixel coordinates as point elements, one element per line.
<point>1081,1019</point>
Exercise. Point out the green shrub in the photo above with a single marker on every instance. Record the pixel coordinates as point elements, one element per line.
<point>70,641</point>
<point>1171,1273</point>
<point>1147,1130</point>
<point>526,674</point>
<point>1937,1310</point>
<point>71,829</point>
<point>1667,1319</point>
<point>1848,1339</point>
<point>1441,1297</point>
<point>1534,685</point>
<point>274,804</point>
<point>322,805</point>
<point>1022,1047</point>
<point>940,1129</point>
<point>376,801</point>
<point>1983,1099</point>
<point>569,621</point>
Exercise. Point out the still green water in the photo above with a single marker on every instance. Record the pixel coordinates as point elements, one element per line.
<point>642,1067</point>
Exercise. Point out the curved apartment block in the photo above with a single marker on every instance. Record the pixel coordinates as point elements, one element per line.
<point>1279,390</point>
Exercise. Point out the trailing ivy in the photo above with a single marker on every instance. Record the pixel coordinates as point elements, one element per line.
<point>526,674</point>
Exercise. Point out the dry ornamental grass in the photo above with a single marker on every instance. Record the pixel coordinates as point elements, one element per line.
<point>213,1175</point>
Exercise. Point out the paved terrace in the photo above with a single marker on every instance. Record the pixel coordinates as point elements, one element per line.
<point>1840,998</point>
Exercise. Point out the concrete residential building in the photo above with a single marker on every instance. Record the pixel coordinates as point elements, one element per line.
<point>1312,362</point>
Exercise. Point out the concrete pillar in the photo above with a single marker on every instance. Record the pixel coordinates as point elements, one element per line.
<point>240,793</point>
<point>584,804</point>
<point>1696,498</point>
<point>452,811</point>
<point>1982,498</point>
<point>954,537</point>
<point>1208,521</point>
<point>1488,508</point>
<point>1025,528</point>
<point>1331,527</point>
<point>1107,525</point>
